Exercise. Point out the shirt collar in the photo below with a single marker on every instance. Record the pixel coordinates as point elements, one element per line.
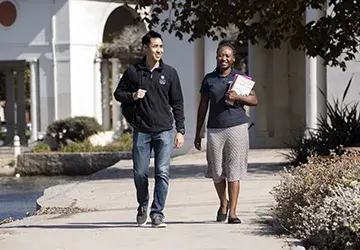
<point>232,73</point>
<point>142,65</point>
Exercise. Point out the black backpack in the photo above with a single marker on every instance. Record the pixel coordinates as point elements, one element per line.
<point>128,109</point>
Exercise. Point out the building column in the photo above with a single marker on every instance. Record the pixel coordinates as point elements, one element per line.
<point>105,78</point>
<point>208,54</point>
<point>21,105</point>
<point>115,64</point>
<point>97,91</point>
<point>260,69</point>
<point>210,48</point>
<point>315,81</point>
<point>33,99</point>
<point>10,106</point>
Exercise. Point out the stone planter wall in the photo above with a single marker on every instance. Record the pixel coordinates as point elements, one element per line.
<point>67,163</point>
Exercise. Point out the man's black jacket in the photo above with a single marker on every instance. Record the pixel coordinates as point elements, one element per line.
<point>163,100</point>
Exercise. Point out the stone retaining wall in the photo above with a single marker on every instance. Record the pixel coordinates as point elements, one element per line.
<point>67,163</point>
<point>6,159</point>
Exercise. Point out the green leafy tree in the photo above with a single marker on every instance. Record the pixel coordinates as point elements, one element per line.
<point>125,45</point>
<point>334,37</point>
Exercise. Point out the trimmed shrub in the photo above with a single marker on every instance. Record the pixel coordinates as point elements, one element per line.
<point>41,147</point>
<point>336,223</point>
<point>75,129</point>
<point>308,189</point>
<point>122,144</point>
<point>84,146</point>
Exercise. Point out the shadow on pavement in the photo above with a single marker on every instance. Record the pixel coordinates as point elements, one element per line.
<point>182,171</point>
<point>261,228</point>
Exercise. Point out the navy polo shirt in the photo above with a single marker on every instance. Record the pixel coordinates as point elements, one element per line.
<point>222,115</point>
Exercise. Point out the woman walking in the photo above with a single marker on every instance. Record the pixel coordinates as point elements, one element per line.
<point>227,131</point>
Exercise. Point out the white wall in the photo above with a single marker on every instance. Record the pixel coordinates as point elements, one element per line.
<point>183,57</point>
<point>337,81</point>
<point>87,19</point>
<point>280,87</point>
<point>30,37</point>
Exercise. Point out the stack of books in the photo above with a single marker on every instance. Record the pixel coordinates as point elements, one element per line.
<point>242,85</point>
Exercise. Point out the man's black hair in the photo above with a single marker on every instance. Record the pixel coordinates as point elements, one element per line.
<point>145,40</point>
<point>226,43</point>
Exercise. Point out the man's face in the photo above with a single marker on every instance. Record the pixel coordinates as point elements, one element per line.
<point>155,49</point>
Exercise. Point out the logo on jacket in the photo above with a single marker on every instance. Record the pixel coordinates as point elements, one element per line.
<point>162,80</point>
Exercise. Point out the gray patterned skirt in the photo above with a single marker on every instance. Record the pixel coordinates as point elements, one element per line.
<point>227,153</point>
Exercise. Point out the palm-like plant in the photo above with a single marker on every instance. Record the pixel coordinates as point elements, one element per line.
<point>338,130</point>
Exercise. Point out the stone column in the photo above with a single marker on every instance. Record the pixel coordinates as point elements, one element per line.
<point>105,77</point>
<point>260,69</point>
<point>315,80</point>
<point>33,99</point>
<point>21,105</point>
<point>209,64</point>
<point>210,47</point>
<point>115,71</point>
<point>321,89</point>
<point>10,106</point>
<point>97,91</point>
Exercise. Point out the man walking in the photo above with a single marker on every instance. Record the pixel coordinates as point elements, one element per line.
<point>151,97</point>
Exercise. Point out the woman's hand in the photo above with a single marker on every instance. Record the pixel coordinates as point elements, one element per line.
<point>232,96</point>
<point>197,142</point>
<point>250,100</point>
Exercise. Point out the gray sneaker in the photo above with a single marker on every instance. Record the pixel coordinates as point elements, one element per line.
<point>142,216</point>
<point>157,220</point>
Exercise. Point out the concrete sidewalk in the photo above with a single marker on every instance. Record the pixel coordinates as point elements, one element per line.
<point>190,212</point>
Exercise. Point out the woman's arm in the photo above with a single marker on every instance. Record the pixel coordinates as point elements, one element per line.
<point>250,100</point>
<point>202,110</point>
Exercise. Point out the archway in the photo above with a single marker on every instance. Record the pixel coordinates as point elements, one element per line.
<point>121,47</point>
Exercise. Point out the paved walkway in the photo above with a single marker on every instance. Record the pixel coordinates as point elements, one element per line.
<point>190,212</point>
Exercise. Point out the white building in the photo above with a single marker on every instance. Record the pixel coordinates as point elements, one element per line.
<point>61,38</point>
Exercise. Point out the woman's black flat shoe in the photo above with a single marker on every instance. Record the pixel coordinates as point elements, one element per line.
<point>220,217</point>
<point>234,220</point>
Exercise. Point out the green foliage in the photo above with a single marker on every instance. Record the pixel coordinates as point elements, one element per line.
<point>75,129</point>
<point>124,143</point>
<point>126,45</point>
<point>340,128</point>
<point>308,196</point>
<point>334,37</point>
<point>2,136</point>
<point>335,224</point>
<point>84,146</point>
<point>41,147</point>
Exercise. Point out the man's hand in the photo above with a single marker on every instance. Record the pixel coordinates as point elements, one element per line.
<point>197,143</point>
<point>179,140</point>
<point>139,94</point>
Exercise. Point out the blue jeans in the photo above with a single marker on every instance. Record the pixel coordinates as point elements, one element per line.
<point>143,144</point>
